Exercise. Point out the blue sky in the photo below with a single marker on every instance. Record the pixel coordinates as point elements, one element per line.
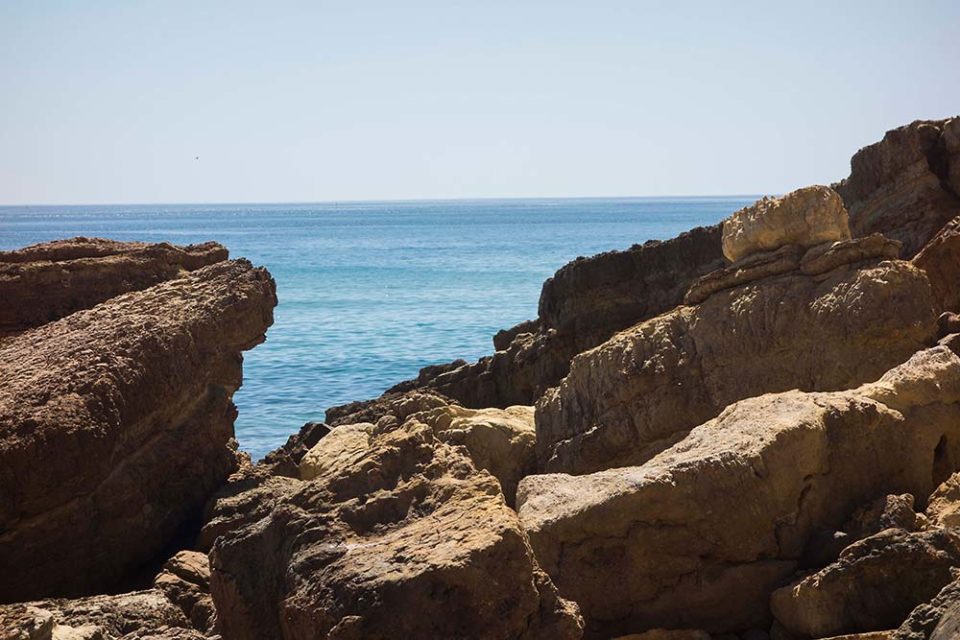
<point>111,101</point>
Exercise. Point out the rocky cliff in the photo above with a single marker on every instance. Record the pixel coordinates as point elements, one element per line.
<point>116,424</point>
<point>749,432</point>
<point>48,281</point>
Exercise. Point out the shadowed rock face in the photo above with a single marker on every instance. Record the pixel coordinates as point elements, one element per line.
<point>44,282</point>
<point>395,533</point>
<point>907,186</point>
<point>115,427</point>
<point>700,535</point>
<point>625,400</point>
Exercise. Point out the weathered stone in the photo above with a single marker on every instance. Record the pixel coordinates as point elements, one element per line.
<point>943,507</point>
<point>394,406</point>
<point>826,257</point>
<point>754,267</point>
<point>503,338</point>
<point>923,620</point>
<point>873,586</point>
<point>399,537</point>
<point>116,425</point>
<point>699,536</point>
<point>637,393</point>
<point>500,441</point>
<point>185,580</point>
<point>667,634</point>
<point>45,282</point>
<point>940,260</point>
<point>285,460</point>
<point>904,186</point>
<point>805,217</point>
<point>137,615</point>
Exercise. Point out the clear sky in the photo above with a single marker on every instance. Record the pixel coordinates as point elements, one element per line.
<point>105,102</point>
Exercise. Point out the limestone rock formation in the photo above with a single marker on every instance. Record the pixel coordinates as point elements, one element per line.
<point>116,424</point>
<point>874,585</point>
<point>48,281</point>
<point>943,507</point>
<point>399,534</point>
<point>632,396</point>
<point>934,620</point>
<point>805,217</point>
<point>700,535</point>
<point>140,615</point>
<point>285,460</point>
<point>185,581</point>
<point>906,186</point>
<point>940,260</point>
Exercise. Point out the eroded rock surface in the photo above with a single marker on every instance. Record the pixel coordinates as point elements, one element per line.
<point>699,536</point>
<point>874,585</point>
<point>906,186</point>
<point>627,399</point>
<point>185,581</point>
<point>116,424</point>
<point>45,282</point>
<point>805,217</point>
<point>940,260</point>
<point>139,615</point>
<point>399,534</point>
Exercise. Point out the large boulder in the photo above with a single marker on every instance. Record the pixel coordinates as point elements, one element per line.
<point>700,535</point>
<point>874,585</point>
<point>45,282</point>
<point>906,186</point>
<point>395,532</point>
<point>641,390</point>
<point>804,218</point>
<point>116,425</point>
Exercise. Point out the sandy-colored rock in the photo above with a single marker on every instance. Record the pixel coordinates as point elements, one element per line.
<point>501,441</point>
<point>399,535</point>
<point>940,260</point>
<point>805,217</point>
<point>699,536</point>
<point>285,460</point>
<point>943,507</point>
<point>873,586</point>
<point>905,186</point>
<point>116,425</point>
<point>45,282</point>
<point>185,581</point>
<point>139,615</point>
<point>641,390</point>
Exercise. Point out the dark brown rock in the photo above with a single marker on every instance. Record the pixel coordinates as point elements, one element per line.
<point>45,282</point>
<point>936,615</point>
<point>874,585</point>
<point>116,425</point>
<point>905,185</point>
<point>940,259</point>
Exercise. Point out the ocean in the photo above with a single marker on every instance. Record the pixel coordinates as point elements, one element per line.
<point>372,291</point>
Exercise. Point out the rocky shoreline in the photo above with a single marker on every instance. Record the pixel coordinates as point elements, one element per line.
<point>749,431</point>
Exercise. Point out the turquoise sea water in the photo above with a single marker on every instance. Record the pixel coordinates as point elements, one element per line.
<point>370,292</point>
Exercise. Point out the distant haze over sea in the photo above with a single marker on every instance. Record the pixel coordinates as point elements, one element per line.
<point>370,292</point>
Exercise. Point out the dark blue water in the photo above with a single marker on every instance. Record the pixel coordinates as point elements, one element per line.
<point>371,292</point>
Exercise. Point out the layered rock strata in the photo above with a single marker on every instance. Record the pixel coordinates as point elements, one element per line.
<point>116,424</point>
<point>907,186</point>
<point>628,398</point>
<point>700,535</point>
<point>45,282</point>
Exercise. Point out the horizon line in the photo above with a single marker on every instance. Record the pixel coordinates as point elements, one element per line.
<point>382,200</point>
